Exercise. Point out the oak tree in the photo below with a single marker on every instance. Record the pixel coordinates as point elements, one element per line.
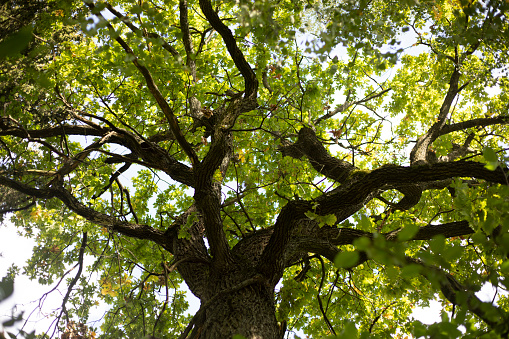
<point>322,167</point>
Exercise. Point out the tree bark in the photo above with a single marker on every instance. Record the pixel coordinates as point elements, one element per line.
<point>249,312</point>
<point>231,307</point>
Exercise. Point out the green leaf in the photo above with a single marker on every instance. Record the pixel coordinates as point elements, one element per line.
<point>346,259</point>
<point>349,331</point>
<point>330,219</point>
<point>491,158</point>
<point>411,270</point>
<point>504,268</point>
<point>6,288</point>
<point>408,232</point>
<point>311,215</point>
<point>362,243</point>
<point>365,223</point>
<point>14,44</point>
<point>437,244</point>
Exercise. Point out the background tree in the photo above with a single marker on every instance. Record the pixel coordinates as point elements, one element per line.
<point>235,146</point>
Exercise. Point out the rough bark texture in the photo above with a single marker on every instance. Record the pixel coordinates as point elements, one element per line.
<point>247,310</point>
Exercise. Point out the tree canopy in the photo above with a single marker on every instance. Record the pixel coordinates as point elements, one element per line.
<point>322,167</point>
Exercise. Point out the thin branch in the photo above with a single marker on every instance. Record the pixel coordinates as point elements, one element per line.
<point>135,29</point>
<point>378,316</point>
<point>324,314</point>
<point>458,294</point>
<point>76,277</point>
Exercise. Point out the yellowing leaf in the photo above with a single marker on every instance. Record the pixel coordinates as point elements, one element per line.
<point>108,291</point>
<point>242,156</point>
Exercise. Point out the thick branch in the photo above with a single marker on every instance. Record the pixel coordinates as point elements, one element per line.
<point>480,122</point>
<point>272,263</point>
<point>207,190</point>
<point>190,252</point>
<point>356,193</point>
<point>308,237</point>
<point>346,236</point>
<point>308,144</point>
<point>209,204</point>
<point>139,231</point>
<point>326,240</point>
<point>55,131</point>
<point>352,197</point>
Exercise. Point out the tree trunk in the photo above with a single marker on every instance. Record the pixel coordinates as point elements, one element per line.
<point>246,308</point>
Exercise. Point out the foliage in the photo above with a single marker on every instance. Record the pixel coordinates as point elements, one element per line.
<point>353,152</point>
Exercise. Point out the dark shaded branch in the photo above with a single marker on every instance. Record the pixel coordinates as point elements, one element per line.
<point>272,263</point>
<point>125,191</point>
<point>309,237</point>
<point>76,277</point>
<point>13,201</point>
<point>419,151</point>
<point>186,38</point>
<point>448,230</point>
<point>324,314</point>
<point>56,131</point>
<point>153,156</point>
<point>328,238</point>
<point>139,231</point>
<point>480,122</point>
<point>190,253</point>
<point>207,191</point>
<point>113,178</point>
<point>250,81</point>
<point>379,315</point>
<point>208,202</point>
<point>412,196</point>
<point>360,190</point>
<point>308,144</point>
<point>458,294</point>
